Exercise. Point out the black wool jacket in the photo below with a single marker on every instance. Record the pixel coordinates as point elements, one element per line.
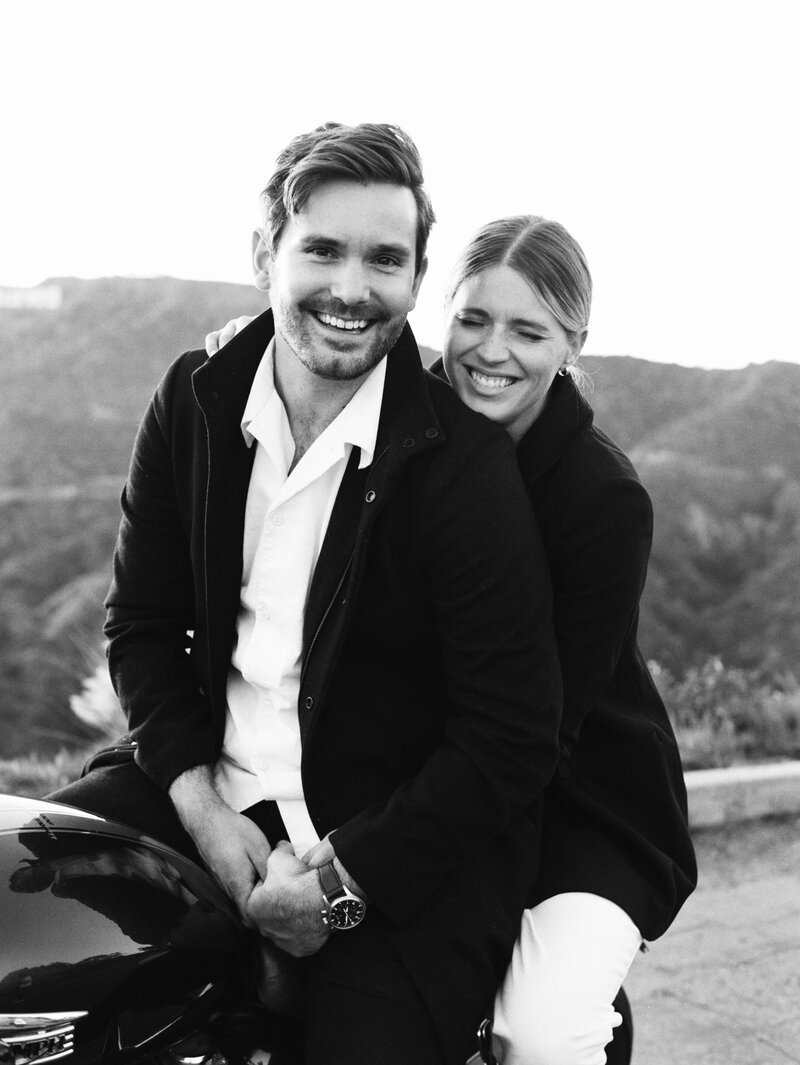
<point>430,693</point>
<point>615,817</point>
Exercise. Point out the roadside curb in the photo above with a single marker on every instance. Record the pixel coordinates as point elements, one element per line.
<point>742,793</point>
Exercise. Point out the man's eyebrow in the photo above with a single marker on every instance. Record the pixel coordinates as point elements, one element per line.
<point>313,240</point>
<point>399,251</point>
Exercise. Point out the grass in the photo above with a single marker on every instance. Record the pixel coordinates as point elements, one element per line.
<point>35,776</point>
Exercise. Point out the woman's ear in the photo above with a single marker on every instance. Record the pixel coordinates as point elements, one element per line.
<point>261,260</point>
<point>576,342</point>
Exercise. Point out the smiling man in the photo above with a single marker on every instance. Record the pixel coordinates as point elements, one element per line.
<point>357,739</point>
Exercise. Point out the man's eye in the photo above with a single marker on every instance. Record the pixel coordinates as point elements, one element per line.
<point>531,336</point>
<point>473,323</point>
<point>386,260</point>
<point>321,253</point>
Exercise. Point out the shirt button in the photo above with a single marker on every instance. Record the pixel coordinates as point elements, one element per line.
<point>276,519</point>
<point>309,701</point>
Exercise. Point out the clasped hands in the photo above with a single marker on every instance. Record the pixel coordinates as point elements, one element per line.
<point>275,892</point>
<point>286,904</point>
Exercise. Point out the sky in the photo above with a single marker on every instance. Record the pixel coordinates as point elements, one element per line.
<point>137,136</point>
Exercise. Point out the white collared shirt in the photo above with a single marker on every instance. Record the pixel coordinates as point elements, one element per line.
<point>286,519</point>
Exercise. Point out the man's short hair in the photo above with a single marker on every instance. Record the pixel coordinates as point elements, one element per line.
<point>370,152</point>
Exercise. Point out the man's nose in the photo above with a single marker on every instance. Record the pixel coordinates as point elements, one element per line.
<point>350,284</point>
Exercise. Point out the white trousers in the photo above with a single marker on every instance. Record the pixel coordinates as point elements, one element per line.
<point>555,1005</point>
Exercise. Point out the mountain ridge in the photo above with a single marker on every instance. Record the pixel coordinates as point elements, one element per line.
<point>718,450</point>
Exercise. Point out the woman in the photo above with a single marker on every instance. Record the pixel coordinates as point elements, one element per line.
<point>617,860</point>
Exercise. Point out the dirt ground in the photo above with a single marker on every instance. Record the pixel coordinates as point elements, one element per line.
<point>722,987</point>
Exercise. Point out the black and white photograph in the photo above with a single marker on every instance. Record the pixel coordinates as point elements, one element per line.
<point>399,533</point>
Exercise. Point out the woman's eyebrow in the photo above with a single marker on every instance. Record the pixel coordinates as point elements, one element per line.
<point>525,323</point>
<point>529,323</point>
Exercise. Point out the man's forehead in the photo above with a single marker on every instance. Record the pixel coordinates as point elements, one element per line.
<point>350,209</point>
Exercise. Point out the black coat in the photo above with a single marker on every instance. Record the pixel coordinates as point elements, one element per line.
<point>430,692</point>
<point>615,820</point>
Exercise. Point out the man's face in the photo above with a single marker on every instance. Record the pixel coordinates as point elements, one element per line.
<point>342,279</point>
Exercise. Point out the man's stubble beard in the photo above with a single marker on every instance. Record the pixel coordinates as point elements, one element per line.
<point>348,365</point>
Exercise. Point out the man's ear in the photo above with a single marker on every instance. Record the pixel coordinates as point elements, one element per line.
<point>261,260</point>
<point>423,267</point>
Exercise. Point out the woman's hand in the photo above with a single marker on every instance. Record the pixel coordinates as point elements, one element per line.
<point>320,854</point>
<point>220,337</point>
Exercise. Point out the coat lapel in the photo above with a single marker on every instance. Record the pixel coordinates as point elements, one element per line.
<point>408,427</point>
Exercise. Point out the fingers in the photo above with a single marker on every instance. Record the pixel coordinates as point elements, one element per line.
<point>320,854</point>
<point>229,331</point>
<point>212,342</point>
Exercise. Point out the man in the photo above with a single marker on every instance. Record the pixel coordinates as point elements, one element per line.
<point>371,671</point>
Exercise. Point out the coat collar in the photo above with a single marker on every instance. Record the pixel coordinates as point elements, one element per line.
<point>408,422</point>
<point>564,416</point>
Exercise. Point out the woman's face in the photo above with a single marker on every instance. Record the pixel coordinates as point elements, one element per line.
<point>502,348</point>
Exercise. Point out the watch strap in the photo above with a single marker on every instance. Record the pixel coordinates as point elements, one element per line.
<point>330,881</point>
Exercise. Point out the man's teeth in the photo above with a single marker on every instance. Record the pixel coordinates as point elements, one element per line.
<point>343,323</point>
<point>490,382</point>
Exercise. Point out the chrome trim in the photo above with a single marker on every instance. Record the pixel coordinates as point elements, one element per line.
<point>38,1037</point>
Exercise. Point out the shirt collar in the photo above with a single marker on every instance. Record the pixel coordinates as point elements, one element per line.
<point>356,424</point>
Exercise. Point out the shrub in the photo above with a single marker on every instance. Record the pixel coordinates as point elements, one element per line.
<point>729,716</point>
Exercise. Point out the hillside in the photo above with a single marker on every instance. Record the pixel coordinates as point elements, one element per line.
<point>718,450</point>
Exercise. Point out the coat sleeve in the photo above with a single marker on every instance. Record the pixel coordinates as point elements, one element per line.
<point>601,546</point>
<point>490,590</point>
<point>151,605</point>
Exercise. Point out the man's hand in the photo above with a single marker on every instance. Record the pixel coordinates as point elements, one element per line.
<point>287,906</point>
<point>220,337</point>
<point>233,848</point>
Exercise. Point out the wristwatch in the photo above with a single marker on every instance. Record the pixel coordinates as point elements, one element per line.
<point>343,909</point>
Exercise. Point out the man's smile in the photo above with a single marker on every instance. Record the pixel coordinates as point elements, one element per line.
<point>349,325</point>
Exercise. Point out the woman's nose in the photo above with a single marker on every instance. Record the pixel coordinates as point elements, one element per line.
<point>350,284</point>
<point>493,347</point>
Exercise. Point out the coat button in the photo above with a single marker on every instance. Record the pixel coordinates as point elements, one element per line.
<point>431,433</point>
<point>309,701</point>
<point>370,496</point>
<point>409,441</point>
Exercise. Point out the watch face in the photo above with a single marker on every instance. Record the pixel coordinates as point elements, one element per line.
<point>346,913</point>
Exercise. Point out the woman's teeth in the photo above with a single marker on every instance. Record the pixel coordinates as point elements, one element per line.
<point>490,382</point>
<point>350,324</point>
